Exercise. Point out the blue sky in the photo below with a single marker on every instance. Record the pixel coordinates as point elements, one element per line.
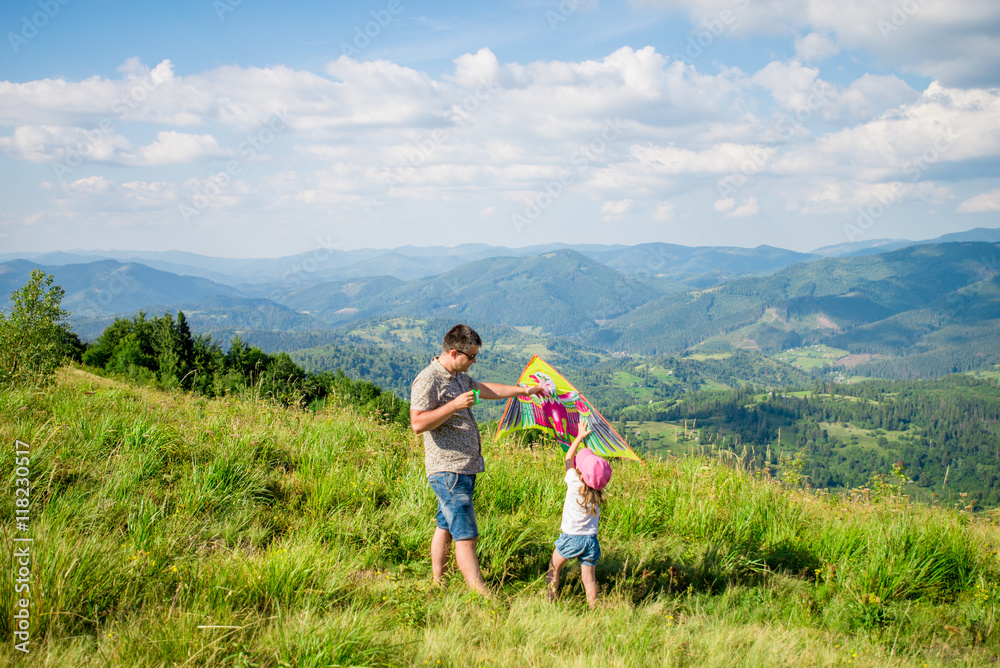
<point>247,128</point>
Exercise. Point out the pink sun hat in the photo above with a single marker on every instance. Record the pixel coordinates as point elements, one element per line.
<point>595,471</point>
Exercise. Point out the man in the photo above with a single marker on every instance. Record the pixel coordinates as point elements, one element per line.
<point>441,401</point>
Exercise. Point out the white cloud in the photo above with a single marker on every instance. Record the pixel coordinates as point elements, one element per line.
<point>633,130</point>
<point>719,159</point>
<point>822,197</point>
<point>99,194</point>
<point>175,148</point>
<point>472,70</point>
<point>745,210</point>
<point>91,185</point>
<point>848,196</point>
<point>150,195</point>
<point>789,83</point>
<point>955,42</point>
<point>71,147</point>
<point>942,126</point>
<point>868,193</point>
<point>616,210</point>
<point>56,101</point>
<point>799,90</point>
<point>664,213</point>
<point>726,204</point>
<point>869,97</point>
<point>988,201</point>
<point>815,47</point>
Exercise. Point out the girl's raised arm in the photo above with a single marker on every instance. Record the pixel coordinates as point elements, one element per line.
<point>571,453</point>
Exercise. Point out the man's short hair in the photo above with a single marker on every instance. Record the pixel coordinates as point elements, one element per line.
<point>461,338</point>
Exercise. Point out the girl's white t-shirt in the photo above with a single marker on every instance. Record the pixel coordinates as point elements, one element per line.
<point>575,520</point>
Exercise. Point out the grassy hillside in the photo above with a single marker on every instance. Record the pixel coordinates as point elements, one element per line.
<point>176,530</point>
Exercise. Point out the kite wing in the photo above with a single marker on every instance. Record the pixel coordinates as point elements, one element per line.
<point>558,412</point>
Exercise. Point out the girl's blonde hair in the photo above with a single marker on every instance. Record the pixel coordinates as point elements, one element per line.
<point>591,499</point>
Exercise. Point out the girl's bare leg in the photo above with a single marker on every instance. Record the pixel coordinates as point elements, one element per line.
<point>552,576</point>
<point>589,576</point>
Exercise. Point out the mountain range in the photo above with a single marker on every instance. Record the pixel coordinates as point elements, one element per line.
<point>937,302</point>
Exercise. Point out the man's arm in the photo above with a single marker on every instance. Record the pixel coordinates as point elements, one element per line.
<point>499,391</point>
<point>421,421</point>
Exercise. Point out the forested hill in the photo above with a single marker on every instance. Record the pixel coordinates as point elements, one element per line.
<point>561,292</point>
<point>940,301</point>
<point>945,432</point>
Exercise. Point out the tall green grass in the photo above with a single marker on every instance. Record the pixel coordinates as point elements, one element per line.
<point>175,530</point>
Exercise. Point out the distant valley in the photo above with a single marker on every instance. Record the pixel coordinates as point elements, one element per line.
<point>918,309</point>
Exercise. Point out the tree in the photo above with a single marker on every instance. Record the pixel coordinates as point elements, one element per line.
<point>33,338</point>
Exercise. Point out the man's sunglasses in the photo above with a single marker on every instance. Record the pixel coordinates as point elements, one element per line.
<point>472,358</point>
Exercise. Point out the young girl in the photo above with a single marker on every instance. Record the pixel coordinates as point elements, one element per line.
<point>586,476</point>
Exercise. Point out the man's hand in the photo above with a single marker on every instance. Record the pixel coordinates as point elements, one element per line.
<point>498,391</point>
<point>421,421</point>
<point>464,400</point>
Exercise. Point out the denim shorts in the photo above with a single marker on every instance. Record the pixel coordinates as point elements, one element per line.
<point>586,548</point>
<point>456,513</point>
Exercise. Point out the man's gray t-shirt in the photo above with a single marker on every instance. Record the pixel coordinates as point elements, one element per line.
<point>454,447</point>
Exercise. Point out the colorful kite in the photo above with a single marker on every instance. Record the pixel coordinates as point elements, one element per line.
<point>558,411</point>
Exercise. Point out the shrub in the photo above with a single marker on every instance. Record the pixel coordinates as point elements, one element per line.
<point>33,340</point>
